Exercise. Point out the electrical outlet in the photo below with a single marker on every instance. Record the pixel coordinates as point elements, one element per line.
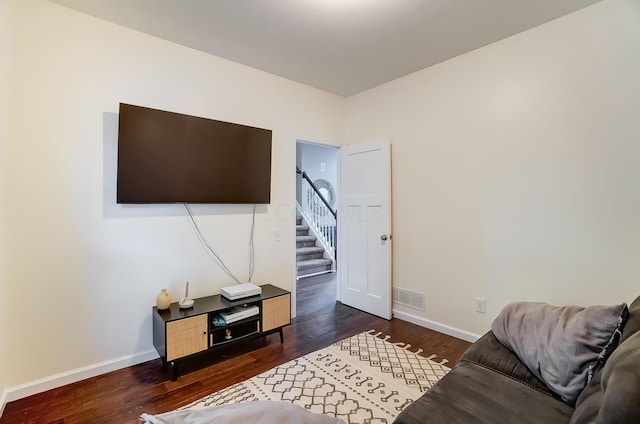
<point>276,235</point>
<point>481,305</point>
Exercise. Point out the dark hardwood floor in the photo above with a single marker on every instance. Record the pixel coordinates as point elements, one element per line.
<point>121,396</point>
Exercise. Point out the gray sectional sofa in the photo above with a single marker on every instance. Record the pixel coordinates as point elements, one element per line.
<point>589,356</point>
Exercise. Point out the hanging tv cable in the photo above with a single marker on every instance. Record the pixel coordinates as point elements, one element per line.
<point>212,253</point>
<point>251,246</point>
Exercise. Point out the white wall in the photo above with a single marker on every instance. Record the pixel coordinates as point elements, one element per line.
<point>5,85</point>
<point>313,155</point>
<point>83,271</point>
<point>516,168</point>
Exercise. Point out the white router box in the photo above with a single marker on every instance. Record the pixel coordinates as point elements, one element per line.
<point>239,291</point>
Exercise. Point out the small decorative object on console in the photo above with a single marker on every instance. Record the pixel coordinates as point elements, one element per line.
<point>185,302</point>
<point>163,300</point>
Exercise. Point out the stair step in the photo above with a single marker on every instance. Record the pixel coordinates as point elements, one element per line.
<point>313,263</point>
<point>310,250</point>
<point>305,239</point>
<point>302,230</point>
<point>314,266</point>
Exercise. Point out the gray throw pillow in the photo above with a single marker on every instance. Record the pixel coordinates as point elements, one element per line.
<point>560,345</point>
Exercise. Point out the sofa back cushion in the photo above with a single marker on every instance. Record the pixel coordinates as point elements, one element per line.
<point>562,346</point>
<point>613,396</point>
<point>632,325</point>
<point>589,401</point>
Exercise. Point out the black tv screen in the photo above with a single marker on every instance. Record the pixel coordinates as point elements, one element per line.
<point>167,157</point>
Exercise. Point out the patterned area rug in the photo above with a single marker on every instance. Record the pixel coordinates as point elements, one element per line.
<point>362,379</point>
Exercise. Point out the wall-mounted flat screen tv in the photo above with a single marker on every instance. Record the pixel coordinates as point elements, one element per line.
<point>167,157</point>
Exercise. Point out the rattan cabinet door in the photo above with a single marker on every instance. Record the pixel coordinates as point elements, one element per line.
<point>276,312</point>
<point>186,336</point>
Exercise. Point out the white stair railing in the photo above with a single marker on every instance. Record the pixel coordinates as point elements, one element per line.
<point>319,215</point>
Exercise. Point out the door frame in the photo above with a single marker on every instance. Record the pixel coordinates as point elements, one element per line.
<point>294,289</point>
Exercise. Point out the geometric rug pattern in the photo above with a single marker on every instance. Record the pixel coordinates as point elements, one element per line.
<point>361,379</point>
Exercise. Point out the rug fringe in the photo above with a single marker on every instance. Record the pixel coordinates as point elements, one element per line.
<point>442,361</point>
<point>406,346</point>
<point>377,334</point>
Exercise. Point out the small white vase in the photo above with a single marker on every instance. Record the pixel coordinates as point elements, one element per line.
<point>163,300</point>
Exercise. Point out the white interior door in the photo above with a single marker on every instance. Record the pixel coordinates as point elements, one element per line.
<point>364,227</point>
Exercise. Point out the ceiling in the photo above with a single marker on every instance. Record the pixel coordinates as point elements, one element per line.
<point>341,46</point>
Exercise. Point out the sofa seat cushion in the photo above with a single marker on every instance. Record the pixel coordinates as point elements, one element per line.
<point>562,346</point>
<point>473,394</point>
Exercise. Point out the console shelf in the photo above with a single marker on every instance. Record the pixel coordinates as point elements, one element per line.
<point>182,333</point>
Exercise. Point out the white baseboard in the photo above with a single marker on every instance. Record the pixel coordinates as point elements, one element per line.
<point>58,380</point>
<point>3,401</point>
<point>436,326</point>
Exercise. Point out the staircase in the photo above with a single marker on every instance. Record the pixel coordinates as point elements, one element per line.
<point>309,257</point>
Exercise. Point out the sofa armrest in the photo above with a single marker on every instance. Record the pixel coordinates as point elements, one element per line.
<point>488,352</point>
